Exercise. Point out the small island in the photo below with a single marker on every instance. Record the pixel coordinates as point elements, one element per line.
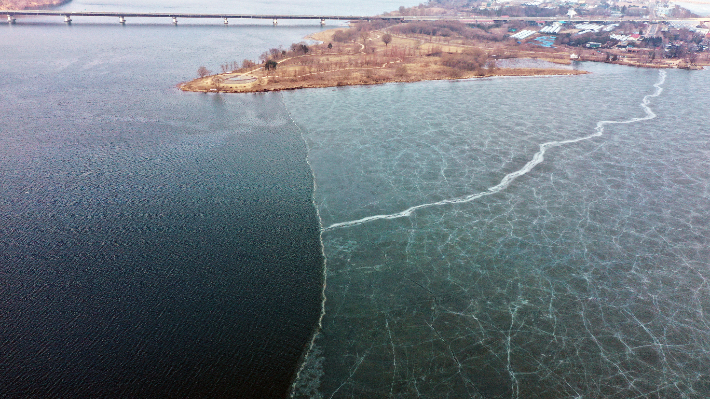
<point>382,51</point>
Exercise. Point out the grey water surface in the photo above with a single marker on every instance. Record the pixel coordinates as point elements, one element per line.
<point>513,237</point>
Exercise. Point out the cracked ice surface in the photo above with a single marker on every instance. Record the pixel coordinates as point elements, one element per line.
<point>586,276</point>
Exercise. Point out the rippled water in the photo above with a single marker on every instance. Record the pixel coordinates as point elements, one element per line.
<point>156,243</point>
<point>526,237</point>
<point>153,243</point>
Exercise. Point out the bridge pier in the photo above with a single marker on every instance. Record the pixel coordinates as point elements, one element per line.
<point>121,20</point>
<point>10,19</point>
<point>174,20</point>
<point>67,18</point>
<point>275,22</point>
<point>226,21</point>
<point>322,22</point>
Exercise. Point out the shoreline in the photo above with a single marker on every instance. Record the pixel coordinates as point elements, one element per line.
<point>206,85</point>
<point>373,55</point>
<point>407,59</point>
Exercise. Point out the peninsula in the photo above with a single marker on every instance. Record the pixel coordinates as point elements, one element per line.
<point>382,51</point>
<point>364,55</point>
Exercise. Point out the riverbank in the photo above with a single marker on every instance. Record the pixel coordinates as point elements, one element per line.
<point>374,56</point>
<point>248,83</point>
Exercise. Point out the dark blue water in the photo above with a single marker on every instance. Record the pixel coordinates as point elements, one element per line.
<point>153,243</point>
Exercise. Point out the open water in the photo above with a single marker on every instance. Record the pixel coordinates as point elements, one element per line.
<point>701,8</point>
<point>521,237</point>
<point>153,243</point>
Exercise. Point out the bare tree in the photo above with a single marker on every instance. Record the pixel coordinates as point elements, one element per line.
<point>203,71</point>
<point>218,81</point>
<point>276,53</point>
<point>692,57</point>
<point>386,39</point>
<point>248,64</point>
<point>299,48</point>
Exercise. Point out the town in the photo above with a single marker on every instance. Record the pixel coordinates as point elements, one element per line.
<point>652,29</point>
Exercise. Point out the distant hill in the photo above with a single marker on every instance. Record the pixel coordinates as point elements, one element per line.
<point>29,4</point>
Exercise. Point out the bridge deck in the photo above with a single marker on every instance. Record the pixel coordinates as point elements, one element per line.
<point>184,15</point>
<point>119,14</point>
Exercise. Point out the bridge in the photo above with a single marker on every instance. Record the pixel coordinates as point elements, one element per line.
<point>175,16</point>
<point>226,17</point>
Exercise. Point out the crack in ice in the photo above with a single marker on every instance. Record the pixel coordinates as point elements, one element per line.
<point>511,177</point>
